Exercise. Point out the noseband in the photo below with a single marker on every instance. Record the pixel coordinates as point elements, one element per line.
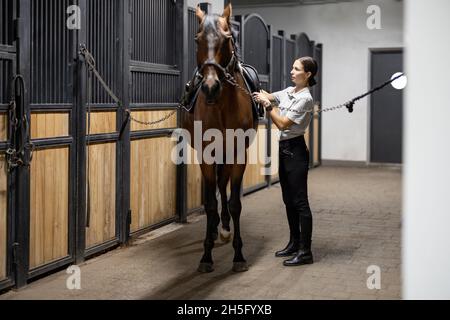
<point>226,72</point>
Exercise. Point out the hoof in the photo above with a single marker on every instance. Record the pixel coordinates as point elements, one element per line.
<point>205,267</point>
<point>240,266</point>
<point>225,235</point>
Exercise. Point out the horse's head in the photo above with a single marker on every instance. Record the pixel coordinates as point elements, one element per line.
<point>214,51</point>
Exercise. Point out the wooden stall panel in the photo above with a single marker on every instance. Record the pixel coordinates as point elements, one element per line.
<point>49,125</point>
<point>307,137</point>
<point>194,183</point>
<point>274,146</point>
<point>152,116</point>
<point>3,216</point>
<point>102,122</point>
<point>153,182</point>
<point>316,140</point>
<point>3,127</point>
<point>102,187</point>
<point>49,206</point>
<point>254,173</point>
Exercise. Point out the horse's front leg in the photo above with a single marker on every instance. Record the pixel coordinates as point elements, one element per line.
<point>212,216</point>
<point>235,207</point>
<point>224,172</point>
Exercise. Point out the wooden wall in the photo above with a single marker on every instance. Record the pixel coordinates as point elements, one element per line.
<point>102,190</point>
<point>153,182</point>
<point>274,146</point>
<point>102,122</point>
<point>152,116</point>
<point>194,183</point>
<point>49,205</point>
<point>3,126</point>
<point>49,125</point>
<point>3,215</point>
<point>252,175</point>
<point>316,138</point>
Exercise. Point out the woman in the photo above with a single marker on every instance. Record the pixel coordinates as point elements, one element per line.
<point>295,106</point>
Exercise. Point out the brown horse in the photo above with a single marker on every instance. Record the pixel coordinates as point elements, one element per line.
<point>221,105</point>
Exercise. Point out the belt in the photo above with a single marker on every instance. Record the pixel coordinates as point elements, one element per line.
<point>292,141</point>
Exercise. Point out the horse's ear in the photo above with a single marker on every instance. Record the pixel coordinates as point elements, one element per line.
<point>200,14</point>
<point>227,13</point>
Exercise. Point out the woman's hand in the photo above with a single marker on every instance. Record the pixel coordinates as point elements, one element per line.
<point>265,93</point>
<point>262,98</point>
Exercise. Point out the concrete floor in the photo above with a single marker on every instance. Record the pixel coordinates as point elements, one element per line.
<point>357,223</point>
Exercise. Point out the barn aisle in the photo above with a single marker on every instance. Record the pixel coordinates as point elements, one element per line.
<point>357,224</point>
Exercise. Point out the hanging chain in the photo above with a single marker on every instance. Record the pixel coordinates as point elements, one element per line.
<point>91,64</point>
<point>229,79</point>
<point>150,123</point>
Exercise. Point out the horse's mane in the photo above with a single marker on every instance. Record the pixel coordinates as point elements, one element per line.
<point>237,45</point>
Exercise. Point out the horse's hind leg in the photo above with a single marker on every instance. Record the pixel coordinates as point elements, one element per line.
<point>239,263</point>
<point>224,172</point>
<point>206,263</point>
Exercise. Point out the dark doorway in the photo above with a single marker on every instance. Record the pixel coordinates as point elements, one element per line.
<point>386,108</point>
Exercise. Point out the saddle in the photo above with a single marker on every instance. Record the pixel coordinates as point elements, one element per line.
<point>252,84</point>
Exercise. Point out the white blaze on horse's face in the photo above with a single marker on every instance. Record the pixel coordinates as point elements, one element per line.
<point>214,51</point>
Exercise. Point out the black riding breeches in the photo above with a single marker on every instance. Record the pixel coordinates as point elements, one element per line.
<point>293,172</point>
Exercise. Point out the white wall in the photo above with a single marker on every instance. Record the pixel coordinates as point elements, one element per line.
<point>216,5</point>
<point>342,30</point>
<point>426,206</point>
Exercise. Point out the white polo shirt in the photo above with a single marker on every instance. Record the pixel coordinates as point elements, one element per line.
<point>293,106</point>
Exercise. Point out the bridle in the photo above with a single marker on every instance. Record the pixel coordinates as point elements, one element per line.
<point>227,71</point>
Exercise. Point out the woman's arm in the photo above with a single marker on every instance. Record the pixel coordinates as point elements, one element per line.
<point>263,97</point>
<point>282,123</point>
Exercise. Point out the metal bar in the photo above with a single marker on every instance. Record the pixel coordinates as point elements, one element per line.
<point>153,227</point>
<point>119,9</point>
<point>7,48</point>
<point>50,106</point>
<point>182,60</point>
<point>135,135</point>
<point>50,267</point>
<point>269,120</point>
<point>80,115</point>
<point>255,188</point>
<point>141,66</point>
<point>104,137</point>
<point>127,26</point>
<point>108,245</point>
<point>70,55</point>
<point>22,195</point>
<point>6,284</point>
<point>153,106</point>
<point>52,142</point>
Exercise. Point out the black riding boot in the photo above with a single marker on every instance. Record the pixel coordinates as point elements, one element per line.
<point>303,256</point>
<point>291,248</point>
